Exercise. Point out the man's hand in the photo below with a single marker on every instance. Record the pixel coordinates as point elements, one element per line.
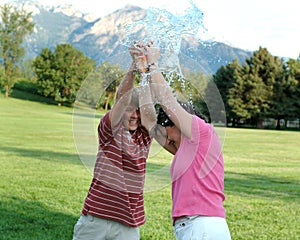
<point>152,54</point>
<point>137,52</point>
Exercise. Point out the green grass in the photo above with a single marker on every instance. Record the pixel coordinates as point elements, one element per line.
<point>44,183</point>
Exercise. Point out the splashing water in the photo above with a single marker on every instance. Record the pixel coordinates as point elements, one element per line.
<point>167,30</point>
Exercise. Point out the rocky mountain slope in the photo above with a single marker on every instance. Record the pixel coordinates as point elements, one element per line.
<point>101,38</point>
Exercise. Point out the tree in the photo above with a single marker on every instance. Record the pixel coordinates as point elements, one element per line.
<point>111,76</point>
<point>225,78</point>
<point>14,27</point>
<point>282,100</point>
<point>195,92</point>
<point>251,94</point>
<point>237,101</point>
<point>26,69</point>
<point>61,73</point>
<point>294,84</point>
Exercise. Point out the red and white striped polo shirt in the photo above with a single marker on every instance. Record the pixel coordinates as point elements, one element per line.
<point>116,191</point>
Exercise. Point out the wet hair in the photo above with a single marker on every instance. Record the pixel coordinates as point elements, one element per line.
<point>190,108</point>
<point>164,120</point>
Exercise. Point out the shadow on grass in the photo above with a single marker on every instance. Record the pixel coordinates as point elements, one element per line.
<point>31,97</point>
<point>30,220</point>
<point>69,158</point>
<point>262,186</point>
<point>85,114</point>
<point>43,155</point>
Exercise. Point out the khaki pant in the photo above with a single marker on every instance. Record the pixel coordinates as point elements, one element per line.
<point>93,228</point>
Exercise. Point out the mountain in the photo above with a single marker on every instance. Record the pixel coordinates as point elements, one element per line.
<point>100,38</point>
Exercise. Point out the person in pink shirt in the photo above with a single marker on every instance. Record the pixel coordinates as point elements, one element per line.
<point>197,169</point>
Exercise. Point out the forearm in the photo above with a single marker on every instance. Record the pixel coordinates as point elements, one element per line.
<point>124,96</point>
<point>160,89</point>
<point>127,83</point>
<point>166,98</point>
<point>147,110</point>
<point>164,94</point>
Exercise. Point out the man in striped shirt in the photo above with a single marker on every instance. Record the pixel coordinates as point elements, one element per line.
<point>114,206</point>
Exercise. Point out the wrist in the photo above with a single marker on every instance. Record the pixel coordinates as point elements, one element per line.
<point>151,67</point>
<point>140,64</point>
<point>132,68</point>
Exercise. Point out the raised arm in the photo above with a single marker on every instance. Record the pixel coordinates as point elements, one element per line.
<point>162,92</point>
<point>147,110</point>
<point>124,95</point>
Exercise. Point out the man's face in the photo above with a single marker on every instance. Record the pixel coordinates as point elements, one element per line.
<point>131,118</point>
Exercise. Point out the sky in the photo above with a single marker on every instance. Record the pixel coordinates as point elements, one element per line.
<point>273,24</point>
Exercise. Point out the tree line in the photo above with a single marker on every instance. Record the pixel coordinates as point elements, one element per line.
<point>263,86</point>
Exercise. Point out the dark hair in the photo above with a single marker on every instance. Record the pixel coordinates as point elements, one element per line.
<point>163,119</point>
<point>192,109</point>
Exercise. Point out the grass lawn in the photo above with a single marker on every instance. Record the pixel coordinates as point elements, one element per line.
<point>44,182</point>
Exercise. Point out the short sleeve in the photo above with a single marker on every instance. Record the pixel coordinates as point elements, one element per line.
<point>104,129</point>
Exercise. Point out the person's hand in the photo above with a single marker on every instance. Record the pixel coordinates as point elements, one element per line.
<point>137,52</point>
<point>152,54</point>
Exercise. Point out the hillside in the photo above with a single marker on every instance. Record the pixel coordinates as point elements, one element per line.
<point>100,38</point>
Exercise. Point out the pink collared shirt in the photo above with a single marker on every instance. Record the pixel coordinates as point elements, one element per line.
<point>197,173</point>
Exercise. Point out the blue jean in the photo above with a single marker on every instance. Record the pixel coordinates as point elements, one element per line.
<point>201,228</point>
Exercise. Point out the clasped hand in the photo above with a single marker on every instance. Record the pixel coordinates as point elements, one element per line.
<point>144,56</point>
